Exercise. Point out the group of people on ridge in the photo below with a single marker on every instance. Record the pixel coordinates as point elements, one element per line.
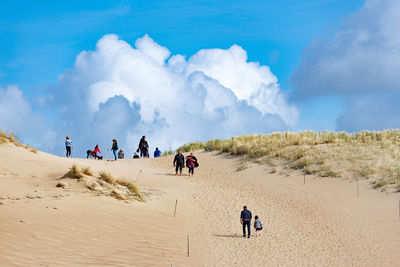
<point>179,163</point>
<point>96,153</point>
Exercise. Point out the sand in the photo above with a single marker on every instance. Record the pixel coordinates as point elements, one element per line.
<point>321,223</point>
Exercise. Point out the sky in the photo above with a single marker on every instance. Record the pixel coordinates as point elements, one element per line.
<point>181,71</point>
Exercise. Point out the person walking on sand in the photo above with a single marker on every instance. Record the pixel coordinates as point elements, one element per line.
<point>68,146</point>
<point>95,151</point>
<point>257,225</point>
<point>114,148</point>
<point>245,220</point>
<point>179,162</point>
<point>143,147</point>
<point>191,163</point>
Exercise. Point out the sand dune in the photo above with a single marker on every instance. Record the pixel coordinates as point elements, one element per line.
<point>322,223</point>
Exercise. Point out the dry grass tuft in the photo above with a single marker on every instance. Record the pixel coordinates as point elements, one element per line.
<point>87,171</point>
<point>75,172</point>
<point>191,147</point>
<point>131,187</point>
<point>10,137</point>
<point>107,177</point>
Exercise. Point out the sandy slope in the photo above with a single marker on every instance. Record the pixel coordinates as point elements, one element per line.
<point>321,223</point>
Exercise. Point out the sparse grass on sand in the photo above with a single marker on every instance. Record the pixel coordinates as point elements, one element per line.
<point>75,172</point>
<point>373,155</point>
<point>168,152</point>
<point>105,184</point>
<point>110,179</point>
<point>191,147</point>
<point>10,137</point>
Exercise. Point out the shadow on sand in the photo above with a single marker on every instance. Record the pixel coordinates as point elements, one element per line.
<point>230,235</point>
<point>172,174</point>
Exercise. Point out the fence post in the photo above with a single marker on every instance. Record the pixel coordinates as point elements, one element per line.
<point>176,203</point>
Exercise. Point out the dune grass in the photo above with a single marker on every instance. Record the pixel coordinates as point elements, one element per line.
<point>366,154</point>
<point>168,152</point>
<point>87,171</point>
<point>110,179</point>
<point>131,187</point>
<point>107,177</point>
<point>75,172</point>
<point>191,147</point>
<point>10,137</point>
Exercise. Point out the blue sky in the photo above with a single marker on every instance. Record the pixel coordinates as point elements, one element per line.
<point>40,40</point>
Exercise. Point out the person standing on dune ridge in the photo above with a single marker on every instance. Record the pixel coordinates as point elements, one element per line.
<point>68,146</point>
<point>245,220</point>
<point>114,148</point>
<point>143,147</point>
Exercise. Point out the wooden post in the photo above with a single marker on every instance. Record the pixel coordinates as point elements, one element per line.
<point>304,181</point>
<point>188,245</point>
<point>358,189</point>
<point>176,203</point>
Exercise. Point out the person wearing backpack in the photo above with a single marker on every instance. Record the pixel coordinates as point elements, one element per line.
<point>114,148</point>
<point>257,225</point>
<point>143,147</point>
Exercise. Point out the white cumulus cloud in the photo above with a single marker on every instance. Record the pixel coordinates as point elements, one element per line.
<point>120,91</point>
<point>16,116</point>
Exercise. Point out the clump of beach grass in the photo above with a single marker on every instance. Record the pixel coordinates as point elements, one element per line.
<point>10,137</point>
<point>364,154</point>
<point>107,177</point>
<point>131,187</point>
<point>75,172</point>
<point>191,147</point>
<point>168,152</point>
<point>87,171</point>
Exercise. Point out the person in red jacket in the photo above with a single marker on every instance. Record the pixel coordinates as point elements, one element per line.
<point>96,149</point>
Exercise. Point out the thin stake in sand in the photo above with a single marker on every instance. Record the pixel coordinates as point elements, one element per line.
<point>176,203</point>
<point>188,245</point>
<point>304,181</point>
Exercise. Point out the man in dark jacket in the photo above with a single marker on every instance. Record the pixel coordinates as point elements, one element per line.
<point>179,162</point>
<point>245,219</point>
<point>143,148</point>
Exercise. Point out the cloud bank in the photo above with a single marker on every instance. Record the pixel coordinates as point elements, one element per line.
<point>16,115</point>
<point>124,92</point>
<point>361,64</point>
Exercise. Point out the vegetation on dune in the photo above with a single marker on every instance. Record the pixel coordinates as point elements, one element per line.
<point>104,184</point>
<point>191,147</point>
<point>367,154</point>
<point>10,137</point>
<point>110,179</point>
<point>168,152</point>
<point>75,172</point>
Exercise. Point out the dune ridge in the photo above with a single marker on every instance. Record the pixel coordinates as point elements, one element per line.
<point>322,222</point>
